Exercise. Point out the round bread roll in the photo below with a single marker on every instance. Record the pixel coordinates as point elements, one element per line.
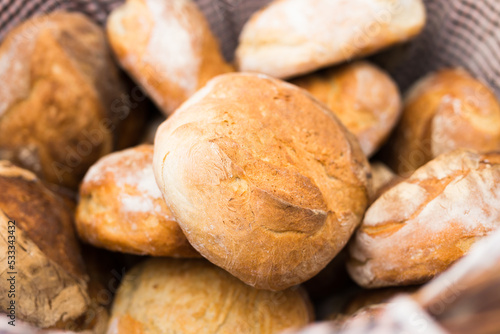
<point>292,37</point>
<point>193,296</point>
<point>60,100</point>
<point>122,209</point>
<point>444,111</point>
<point>264,180</point>
<point>418,228</point>
<point>362,96</point>
<point>167,47</point>
<point>36,227</point>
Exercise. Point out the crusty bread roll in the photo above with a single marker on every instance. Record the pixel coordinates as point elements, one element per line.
<point>167,47</point>
<point>193,296</point>
<point>418,228</point>
<point>363,97</point>
<point>50,279</point>
<point>292,37</point>
<point>443,111</point>
<point>61,96</point>
<point>264,180</point>
<point>122,209</point>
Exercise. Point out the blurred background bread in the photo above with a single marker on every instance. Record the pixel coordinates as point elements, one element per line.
<point>292,37</point>
<point>51,280</point>
<point>445,110</point>
<point>194,296</point>
<point>61,101</point>
<point>418,228</point>
<point>167,47</point>
<point>252,160</point>
<point>121,208</point>
<point>362,96</point>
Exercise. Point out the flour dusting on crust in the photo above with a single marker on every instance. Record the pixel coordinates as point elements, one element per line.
<point>422,225</point>
<point>132,171</point>
<point>171,49</point>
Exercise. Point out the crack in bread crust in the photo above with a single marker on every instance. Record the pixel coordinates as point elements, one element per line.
<point>249,155</point>
<point>457,205</point>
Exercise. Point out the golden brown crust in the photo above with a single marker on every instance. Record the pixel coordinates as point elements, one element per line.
<point>251,160</point>
<point>292,37</point>
<point>58,104</point>
<point>121,207</point>
<point>51,286</point>
<point>362,96</point>
<point>170,70</point>
<point>418,228</point>
<point>43,216</point>
<point>444,111</point>
<point>194,296</point>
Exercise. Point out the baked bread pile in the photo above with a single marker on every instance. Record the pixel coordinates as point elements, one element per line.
<point>244,185</point>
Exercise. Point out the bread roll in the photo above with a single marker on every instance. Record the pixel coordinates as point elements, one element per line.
<point>122,209</point>
<point>421,226</point>
<point>167,47</point>
<point>444,111</point>
<point>194,296</point>
<point>50,278</point>
<point>264,180</point>
<point>364,98</point>
<point>292,37</point>
<point>61,96</point>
